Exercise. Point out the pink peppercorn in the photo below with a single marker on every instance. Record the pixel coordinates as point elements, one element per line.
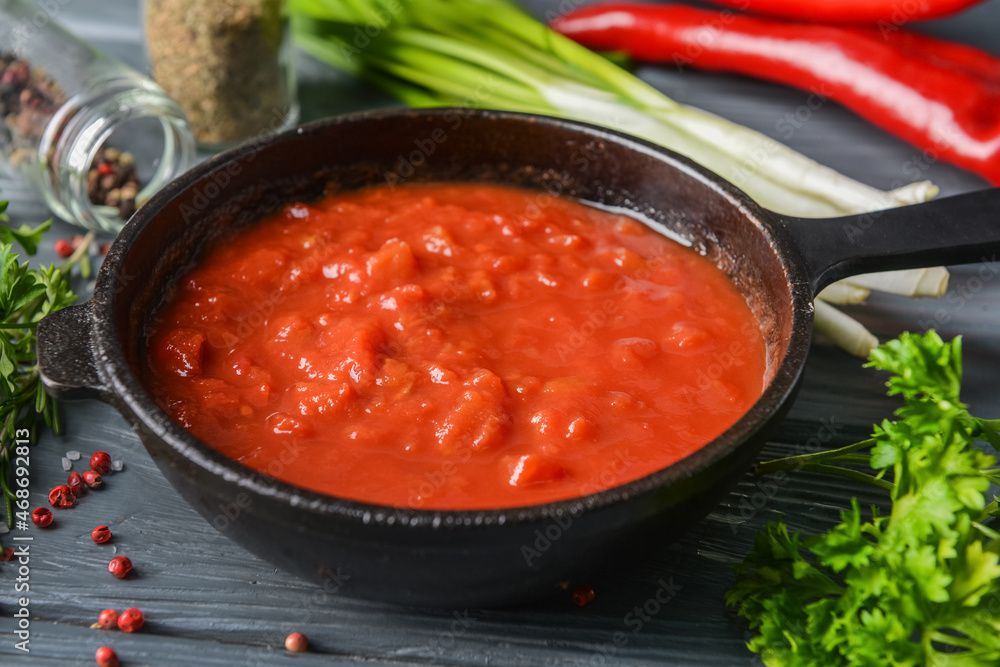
<point>106,657</point>
<point>101,534</point>
<point>120,566</point>
<point>296,642</point>
<point>100,462</point>
<point>41,517</point>
<point>62,497</point>
<point>131,620</point>
<point>108,619</point>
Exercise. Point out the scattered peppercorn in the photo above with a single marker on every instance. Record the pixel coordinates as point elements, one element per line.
<point>108,619</point>
<point>63,248</point>
<point>75,484</point>
<point>101,534</point>
<point>296,642</point>
<point>112,181</point>
<point>93,479</point>
<point>41,517</point>
<point>120,566</point>
<point>62,497</point>
<point>100,462</point>
<point>131,620</point>
<point>28,101</point>
<point>106,657</point>
<point>583,596</point>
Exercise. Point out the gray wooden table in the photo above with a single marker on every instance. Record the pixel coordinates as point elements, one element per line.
<point>208,602</point>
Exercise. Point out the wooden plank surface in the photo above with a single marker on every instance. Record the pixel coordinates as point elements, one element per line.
<point>208,602</point>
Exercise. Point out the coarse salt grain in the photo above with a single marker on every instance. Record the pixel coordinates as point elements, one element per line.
<point>67,464</point>
<point>117,466</point>
<point>73,455</point>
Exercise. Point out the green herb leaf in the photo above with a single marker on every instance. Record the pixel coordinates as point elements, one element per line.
<point>914,587</point>
<point>26,296</point>
<point>28,238</point>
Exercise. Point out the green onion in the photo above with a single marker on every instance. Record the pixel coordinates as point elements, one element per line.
<point>490,53</point>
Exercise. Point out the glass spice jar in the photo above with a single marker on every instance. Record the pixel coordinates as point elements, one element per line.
<point>94,137</point>
<point>228,63</point>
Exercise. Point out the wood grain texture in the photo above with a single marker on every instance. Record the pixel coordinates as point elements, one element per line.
<point>208,602</point>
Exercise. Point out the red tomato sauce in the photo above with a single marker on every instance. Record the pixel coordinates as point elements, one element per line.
<point>454,346</point>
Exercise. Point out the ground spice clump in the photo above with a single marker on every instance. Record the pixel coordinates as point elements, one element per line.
<point>221,62</point>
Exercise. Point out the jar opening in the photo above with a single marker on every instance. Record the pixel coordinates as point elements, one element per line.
<point>131,142</point>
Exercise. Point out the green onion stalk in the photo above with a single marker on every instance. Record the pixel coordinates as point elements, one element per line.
<point>491,54</point>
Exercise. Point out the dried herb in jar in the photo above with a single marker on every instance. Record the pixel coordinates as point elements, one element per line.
<point>224,64</point>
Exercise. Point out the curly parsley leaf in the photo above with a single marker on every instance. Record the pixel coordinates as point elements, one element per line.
<point>918,586</point>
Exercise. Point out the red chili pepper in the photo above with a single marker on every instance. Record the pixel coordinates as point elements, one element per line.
<point>895,12</point>
<point>944,98</point>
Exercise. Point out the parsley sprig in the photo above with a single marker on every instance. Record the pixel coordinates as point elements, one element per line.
<point>26,296</point>
<point>917,586</point>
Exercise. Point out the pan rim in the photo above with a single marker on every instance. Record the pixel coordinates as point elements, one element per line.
<point>127,389</point>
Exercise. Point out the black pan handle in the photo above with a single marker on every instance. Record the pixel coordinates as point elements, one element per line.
<point>66,353</point>
<point>954,230</point>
